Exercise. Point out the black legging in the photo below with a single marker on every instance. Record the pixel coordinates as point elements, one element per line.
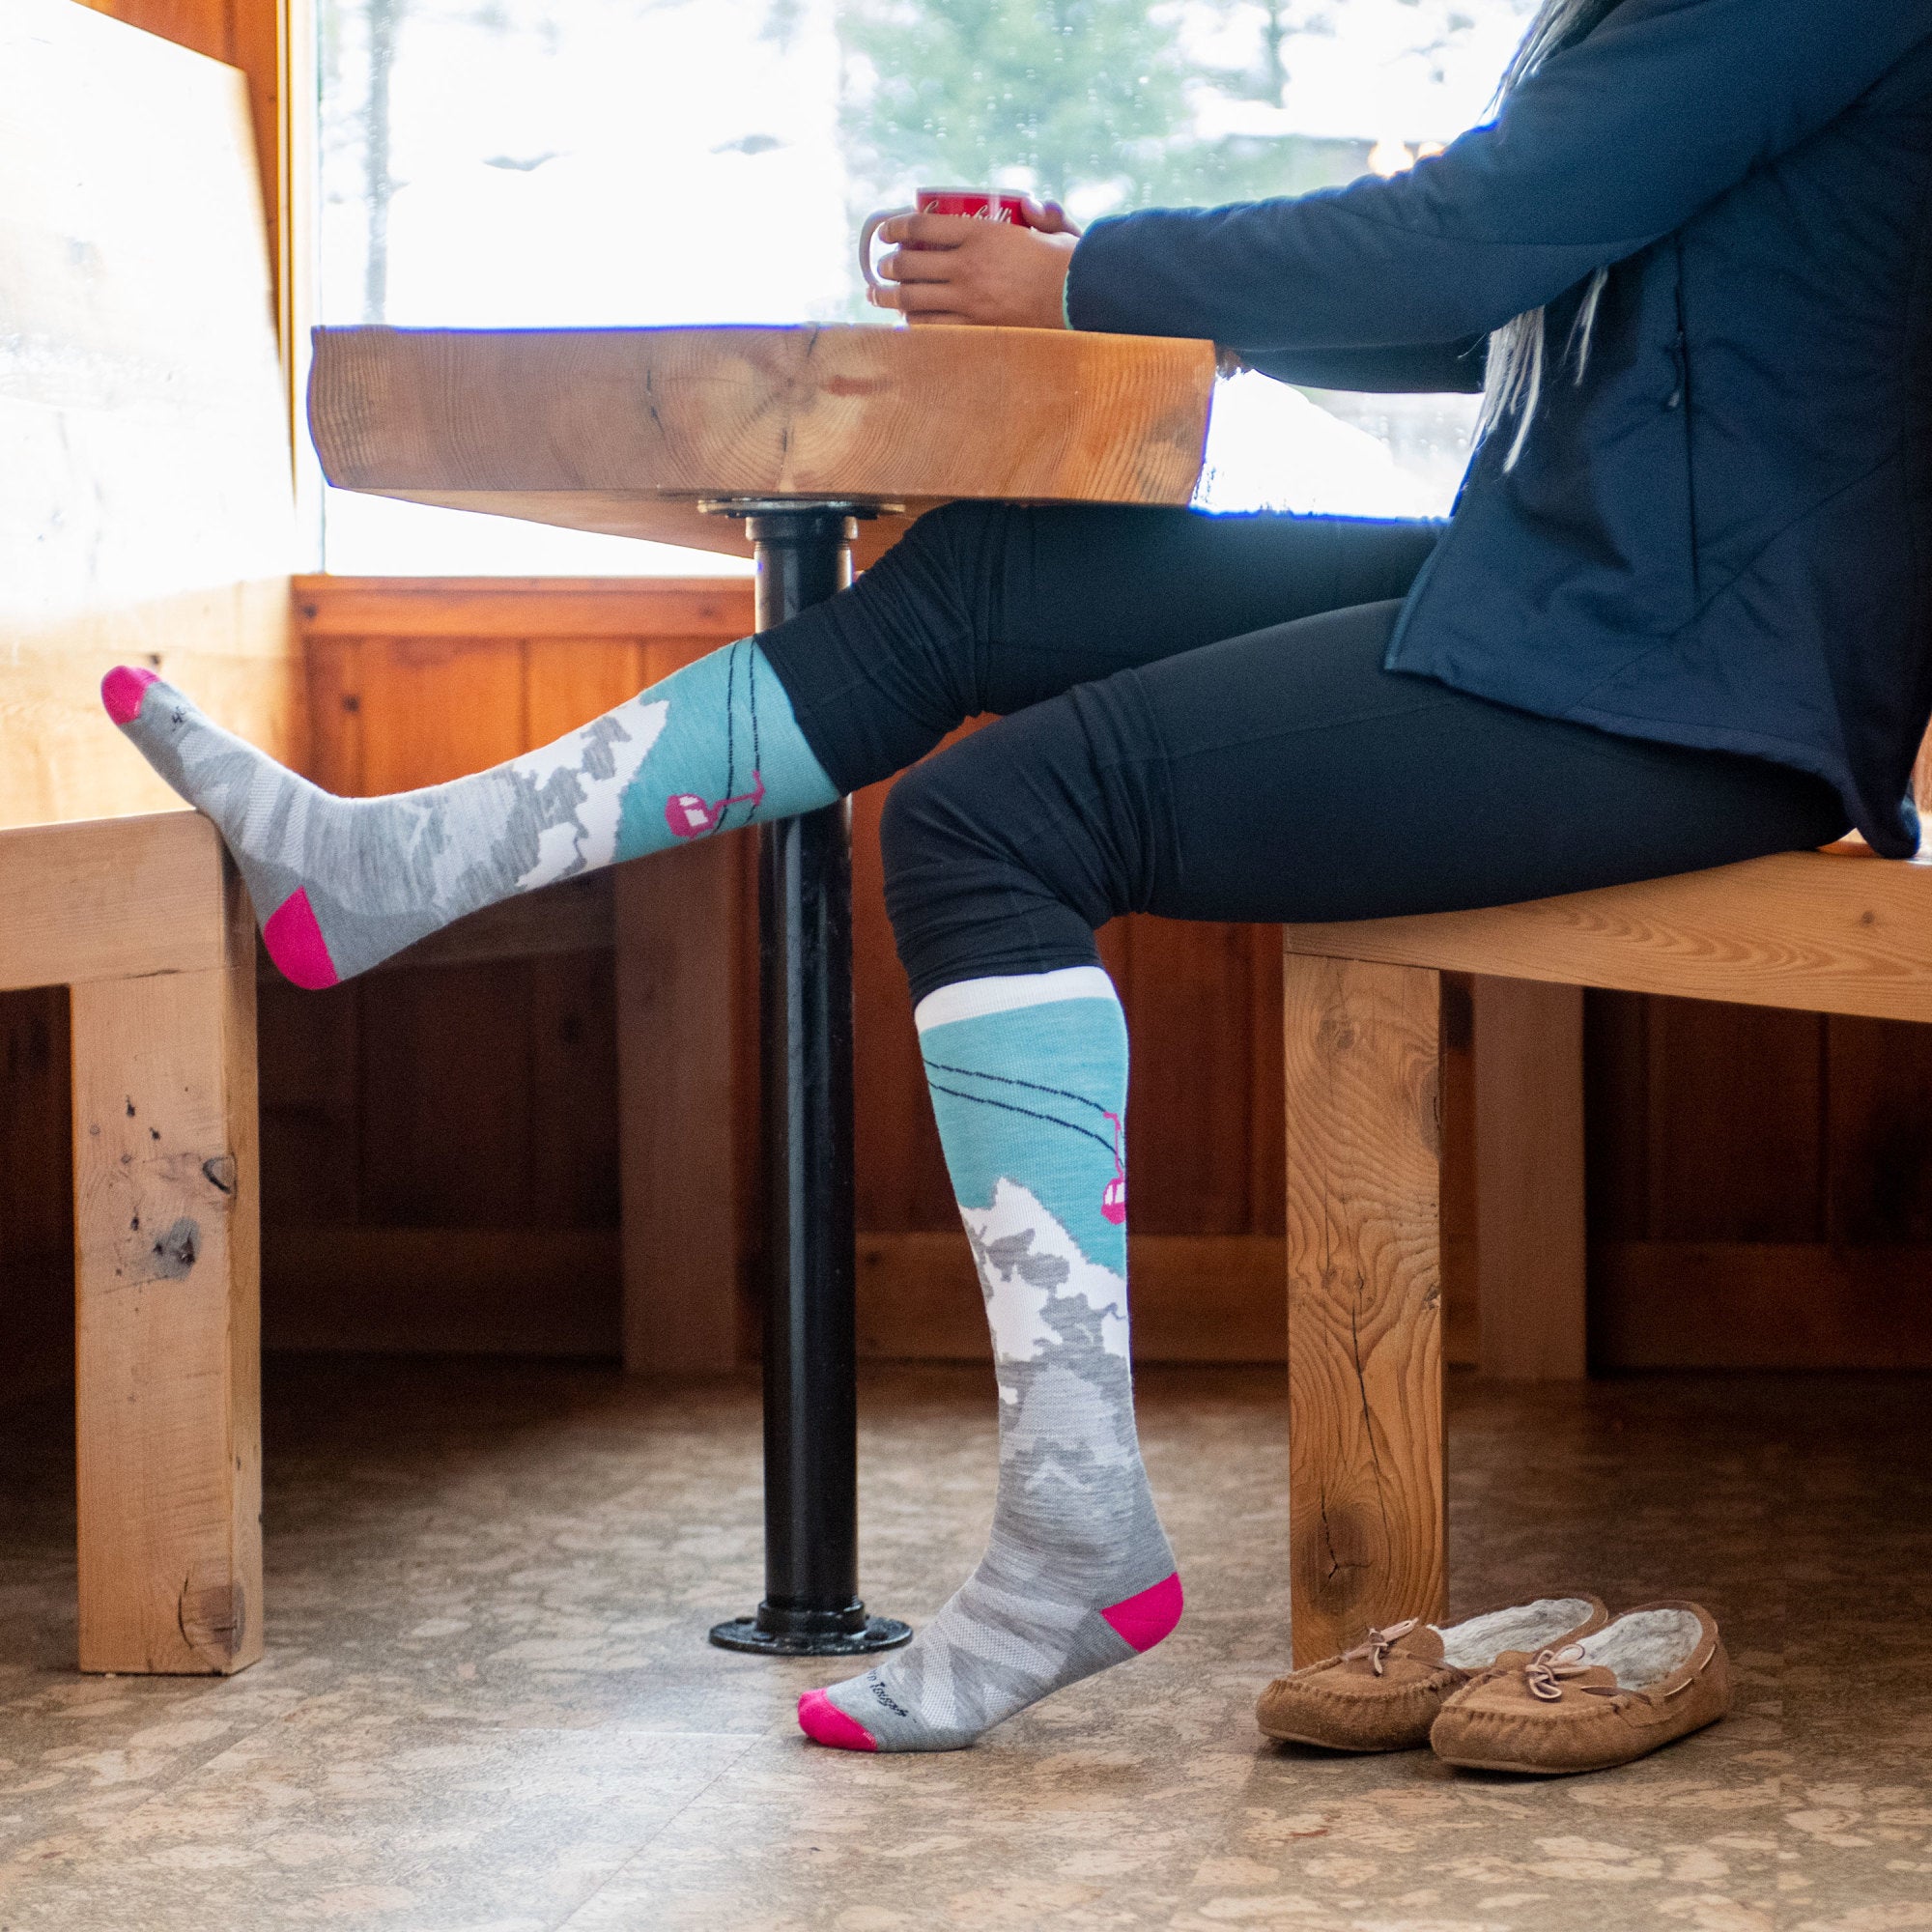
<point>1197,722</point>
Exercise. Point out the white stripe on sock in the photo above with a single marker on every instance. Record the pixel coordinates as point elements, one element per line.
<point>1009,993</point>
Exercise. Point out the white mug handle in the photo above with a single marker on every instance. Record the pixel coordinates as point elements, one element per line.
<point>874,223</point>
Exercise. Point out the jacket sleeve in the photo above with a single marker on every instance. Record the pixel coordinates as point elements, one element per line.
<point>1433,368</point>
<point>1610,144</point>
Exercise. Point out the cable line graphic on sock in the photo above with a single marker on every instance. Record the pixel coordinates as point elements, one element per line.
<point>690,815</point>
<point>1114,1196</point>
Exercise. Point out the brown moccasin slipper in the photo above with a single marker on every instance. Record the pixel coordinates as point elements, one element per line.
<point>1385,1692</point>
<point>1647,1677</point>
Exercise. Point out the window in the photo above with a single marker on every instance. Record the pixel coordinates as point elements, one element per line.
<point>517,162</point>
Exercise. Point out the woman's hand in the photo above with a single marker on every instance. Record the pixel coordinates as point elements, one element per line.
<point>964,268</point>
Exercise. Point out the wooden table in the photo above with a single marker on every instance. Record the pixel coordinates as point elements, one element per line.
<point>812,444</point>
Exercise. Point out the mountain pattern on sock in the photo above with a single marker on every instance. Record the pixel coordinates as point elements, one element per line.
<point>342,883</point>
<point>1029,1078</point>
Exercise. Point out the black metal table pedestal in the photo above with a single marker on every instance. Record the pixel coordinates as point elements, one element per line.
<point>811,1607</point>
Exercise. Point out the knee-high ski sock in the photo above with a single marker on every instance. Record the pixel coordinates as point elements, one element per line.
<point>1029,1078</point>
<point>341,883</point>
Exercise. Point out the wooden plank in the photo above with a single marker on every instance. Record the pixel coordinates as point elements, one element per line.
<point>1759,1305</point>
<point>1195,1297</point>
<point>439,708</point>
<point>35,1194</point>
<point>274,44</point>
<point>1736,1123</point>
<point>332,754</point>
<point>1616,1115</point>
<point>568,681</point>
<point>443,1290</point>
<point>1266,1153</point>
<point>1878,1133</point>
<point>245,34</point>
<point>70,916</point>
<point>445,1112</point>
<point>1838,931</point>
<point>1187,1114</point>
<point>167,1346</point>
<point>621,608</point>
<point>145,498</point>
<point>681,1157</point>
<point>623,430</point>
<point>575,915</point>
<point>1528,1157</point>
<point>309,1062</point>
<point>1365,1517</point>
<point>574,1108</point>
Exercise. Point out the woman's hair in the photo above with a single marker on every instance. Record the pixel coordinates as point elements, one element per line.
<point>1518,350</point>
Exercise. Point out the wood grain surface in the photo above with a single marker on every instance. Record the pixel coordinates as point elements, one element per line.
<point>1759,1305</point>
<point>109,898</point>
<point>677,956</point>
<point>145,487</point>
<point>623,430</point>
<point>1366,1524</point>
<point>167,1265</point>
<point>1837,931</point>
<point>1527,1153</point>
<point>35,1194</point>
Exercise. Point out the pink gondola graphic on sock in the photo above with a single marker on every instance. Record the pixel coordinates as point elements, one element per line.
<point>1114,1196</point>
<point>690,816</point>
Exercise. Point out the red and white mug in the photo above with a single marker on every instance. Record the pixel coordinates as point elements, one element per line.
<point>977,204</point>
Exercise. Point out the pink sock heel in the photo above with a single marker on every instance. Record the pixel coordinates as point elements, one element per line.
<point>1141,1620</point>
<point>295,942</point>
<point>825,1723</point>
<point>122,691</point>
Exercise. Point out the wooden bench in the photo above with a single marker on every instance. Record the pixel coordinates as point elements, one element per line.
<point>1375,1012</point>
<point>143,920</point>
<point>145,516</point>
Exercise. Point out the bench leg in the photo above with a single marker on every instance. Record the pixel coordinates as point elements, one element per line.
<point>1366,1520</point>
<point>167,1343</point>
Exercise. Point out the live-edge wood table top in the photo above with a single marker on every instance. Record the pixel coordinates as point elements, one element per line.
<point>626,431</point>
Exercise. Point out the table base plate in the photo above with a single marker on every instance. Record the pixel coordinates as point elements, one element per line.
<point>811,1633</point>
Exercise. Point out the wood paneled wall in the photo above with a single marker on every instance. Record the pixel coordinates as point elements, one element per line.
<point>441,1161</point>
<point>441,1143</point>
<point>1760,1186</point>
<point>441,1165</point>
<point>35,1194</point>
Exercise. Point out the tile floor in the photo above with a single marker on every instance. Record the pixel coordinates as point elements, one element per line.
<point>487,1706</point>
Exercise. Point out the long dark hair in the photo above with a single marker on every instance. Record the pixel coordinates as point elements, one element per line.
<point>1519,350</point>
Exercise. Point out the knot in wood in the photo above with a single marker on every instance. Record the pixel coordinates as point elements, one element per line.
<point>177,1251</point>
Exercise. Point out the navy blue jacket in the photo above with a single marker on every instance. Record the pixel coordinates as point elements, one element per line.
<point>1721,535</point>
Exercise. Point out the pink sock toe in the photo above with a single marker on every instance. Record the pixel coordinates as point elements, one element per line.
<point>825,1723</point>
<point>1143,1619</point>
<point>295,942</point>
<point>122,691</point>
